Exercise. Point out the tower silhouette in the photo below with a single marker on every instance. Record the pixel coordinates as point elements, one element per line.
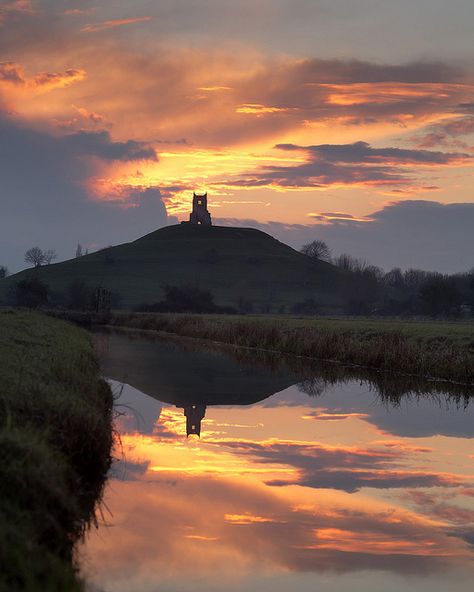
<point>200,215</point>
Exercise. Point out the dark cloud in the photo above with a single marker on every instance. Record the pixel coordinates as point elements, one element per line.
<point>349,164</point>
<point>45,199</point>
<point>358,71</point>
<point>100,144</point>
<point>408,234</point>
<point>443,133</point>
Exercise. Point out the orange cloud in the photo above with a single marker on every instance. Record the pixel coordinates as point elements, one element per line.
<point>258,110</point>
<point>13,75</point>
<point>390,93</point>
<point>246,519</point>
<point>113,24</point>
<point>219,114</point>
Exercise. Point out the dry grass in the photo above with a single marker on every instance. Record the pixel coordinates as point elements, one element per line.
<point>443,351</point>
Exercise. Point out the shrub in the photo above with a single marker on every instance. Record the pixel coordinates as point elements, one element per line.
<point>31,293</point>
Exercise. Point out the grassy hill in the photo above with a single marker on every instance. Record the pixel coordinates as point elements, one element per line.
<point>233,263</point>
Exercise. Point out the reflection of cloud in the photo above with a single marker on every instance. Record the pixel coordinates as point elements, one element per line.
<point>336,416</point>
<point>129,470</point>
<point>245,528</point>
<point>344,468</point>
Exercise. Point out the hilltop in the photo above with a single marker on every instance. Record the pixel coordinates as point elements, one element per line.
<point>232,263</point>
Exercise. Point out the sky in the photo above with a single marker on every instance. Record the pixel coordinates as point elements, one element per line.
<point>349,121</point>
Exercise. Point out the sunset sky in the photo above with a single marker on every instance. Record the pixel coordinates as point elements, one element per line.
<point>351,121</point>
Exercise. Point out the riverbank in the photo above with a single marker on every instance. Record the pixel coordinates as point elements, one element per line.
<point>55,448</point>
<point>430,350</point>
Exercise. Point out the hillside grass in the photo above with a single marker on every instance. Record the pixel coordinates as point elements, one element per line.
<point>429,350</point>
<point>55,443</point>
<point>232,263</point>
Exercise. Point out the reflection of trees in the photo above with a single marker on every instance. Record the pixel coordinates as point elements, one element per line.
<point>314,377</point>
<point>314,387</point>
<point>390,387</point>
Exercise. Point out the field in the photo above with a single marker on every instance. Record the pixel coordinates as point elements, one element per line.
<point>432,350</point>
<point>55,441</point>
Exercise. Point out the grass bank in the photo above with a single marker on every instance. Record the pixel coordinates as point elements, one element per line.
<point>55,444</point>
<point>433,350</point>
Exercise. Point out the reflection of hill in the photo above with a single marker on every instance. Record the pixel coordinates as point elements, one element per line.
<point>192,374</point>
<point>186,372</point>
<point>177,372</point>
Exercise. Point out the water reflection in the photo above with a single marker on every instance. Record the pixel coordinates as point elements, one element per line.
<point>193,375</point>
<point>189,374</point>
<point>327,484</point>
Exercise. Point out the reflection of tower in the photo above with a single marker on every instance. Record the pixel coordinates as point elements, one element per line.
<point>194,414</point>
<point>200,214</point>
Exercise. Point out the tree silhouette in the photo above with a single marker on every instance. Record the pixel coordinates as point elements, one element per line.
<point>35,256</point>
<point>49,256</point>
<point>317,249</point>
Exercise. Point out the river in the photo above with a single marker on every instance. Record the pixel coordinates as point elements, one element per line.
<point>303,478</point>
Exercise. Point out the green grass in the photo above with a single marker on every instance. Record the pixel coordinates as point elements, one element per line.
<point>431,350</point>
<point>55,441</point>
<point>232,263</point>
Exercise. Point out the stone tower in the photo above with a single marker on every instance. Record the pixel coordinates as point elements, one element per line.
<point>200,215</point>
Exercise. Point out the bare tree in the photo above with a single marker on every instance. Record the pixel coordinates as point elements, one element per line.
<point>317,249</point>
<point>35,256</point>
<point>49,256</point>
<point>3,272</point>
<point>79,251</point>
<point>350,263</point>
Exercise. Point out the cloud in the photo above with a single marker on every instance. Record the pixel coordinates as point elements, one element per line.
<point>51,201</point>
<point>407,234</point>
<point>14,74</point>
<point>16,87</point>
<point>348,164</point>
<point>14,9</point>
<point>114,23</point>
<point>226,107</point>
<point>445,132</point>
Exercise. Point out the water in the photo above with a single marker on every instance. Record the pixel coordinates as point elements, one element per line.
<point>317,481</point>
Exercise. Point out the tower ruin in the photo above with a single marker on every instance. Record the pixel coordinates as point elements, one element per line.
<point>200,214</point>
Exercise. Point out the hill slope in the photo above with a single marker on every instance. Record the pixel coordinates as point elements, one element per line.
<point>232,263</point>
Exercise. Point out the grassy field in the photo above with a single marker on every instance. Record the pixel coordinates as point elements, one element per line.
<point>433,350</point>
<point>55,442</point>
<point>233,263</point>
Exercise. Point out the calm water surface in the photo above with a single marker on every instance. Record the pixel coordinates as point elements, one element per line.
<point>308,484</point>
